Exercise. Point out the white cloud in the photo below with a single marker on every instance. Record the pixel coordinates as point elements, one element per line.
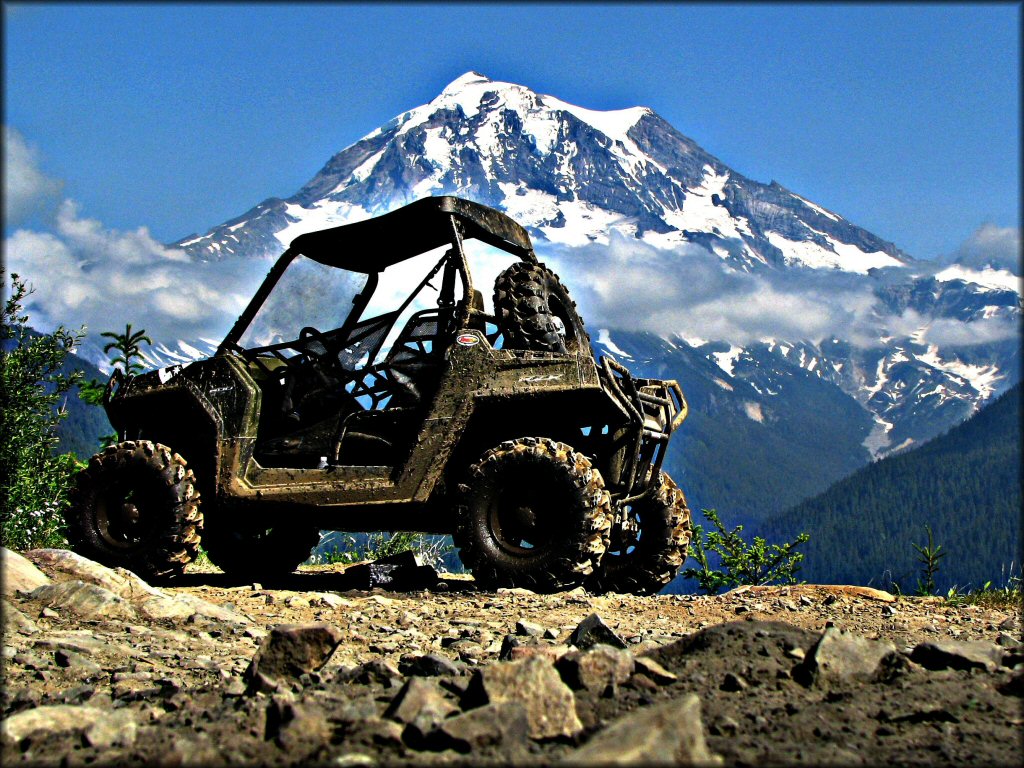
<point>26,188</point>
<point>990,246</point>
<point>694,293</point>
<point>83,273</point>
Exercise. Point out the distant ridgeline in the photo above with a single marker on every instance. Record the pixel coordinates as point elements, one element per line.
<point>965,484</point>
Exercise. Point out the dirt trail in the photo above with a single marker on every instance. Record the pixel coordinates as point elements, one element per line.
<point>799,675</point>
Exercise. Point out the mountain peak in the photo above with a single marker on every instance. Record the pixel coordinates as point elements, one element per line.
<point>467,78</point>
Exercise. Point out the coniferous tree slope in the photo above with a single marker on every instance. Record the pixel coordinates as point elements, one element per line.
<point>965,484</point>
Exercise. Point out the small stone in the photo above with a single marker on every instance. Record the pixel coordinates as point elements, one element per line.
<point>288,651</point>
<point>669,733</point>
<point>957,654</point>
<point>502,724</point>
<point>733,683</point>
<point>839,655</point>
<point>596,669</point>
<point>647,666</point>
<point>552,652</point>
<point>591,631</point>
<point>1008,641</point>
<point>533,682</point>
<point>295,728</point>
<point>430,665</point>
<point>528,629</point>
<point>375,671</point>
<point>75,661</point>
<point>420,705</point>
<point>888,610</point>
<point>1009,624</point>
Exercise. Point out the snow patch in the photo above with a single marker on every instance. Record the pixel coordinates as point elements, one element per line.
<point>982,378</point>
<point>842,256</point>
<point>993,279</point>
<point>605,340</point>
<point>818,208</point>
<point>727,360</point>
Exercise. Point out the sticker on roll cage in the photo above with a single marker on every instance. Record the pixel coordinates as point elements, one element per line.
<point>467,339</point>
<point>168,373</point>
<point>535,379</point>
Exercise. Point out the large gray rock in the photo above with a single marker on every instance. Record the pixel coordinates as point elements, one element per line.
<point>290,650</point>
<point>533,682</point>
<point>957,654</point>
<point>86,601</point>
<point>840,655</point>
<point>150,602</point>
<point>99,727</point>
<point>669,733</point>
<point>19,574</point>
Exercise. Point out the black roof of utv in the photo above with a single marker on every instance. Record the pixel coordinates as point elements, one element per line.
<point>377,243</point>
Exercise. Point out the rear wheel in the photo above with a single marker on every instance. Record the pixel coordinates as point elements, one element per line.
<point>135,506</point>
<point>647,561</point>
<point>258,551</point>
<point>534,514</point>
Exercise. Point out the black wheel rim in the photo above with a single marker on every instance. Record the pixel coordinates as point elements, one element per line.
<point>126,514</point>
<point>520,520</point>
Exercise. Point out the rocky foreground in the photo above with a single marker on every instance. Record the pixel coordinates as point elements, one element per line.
<point>101,667</point>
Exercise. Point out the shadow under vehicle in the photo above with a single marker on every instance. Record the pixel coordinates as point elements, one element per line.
<point>356,394</point>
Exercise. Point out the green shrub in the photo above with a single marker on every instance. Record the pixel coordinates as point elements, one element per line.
<point>33,482</point>
<point>741,563</point>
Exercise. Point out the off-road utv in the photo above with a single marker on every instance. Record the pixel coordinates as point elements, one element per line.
<point>355,394</point>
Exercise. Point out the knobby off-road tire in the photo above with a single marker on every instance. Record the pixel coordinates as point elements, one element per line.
<point>654,559</point>
<point>135,506</point>
<point>532,304</point>
<point>533,514</point>
<point>258,551</point>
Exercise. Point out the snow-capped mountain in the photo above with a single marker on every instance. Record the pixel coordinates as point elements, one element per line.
<point>578,178</point>
<point>571,175</point>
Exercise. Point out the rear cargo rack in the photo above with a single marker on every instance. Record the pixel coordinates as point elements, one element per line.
<point>656,408</point>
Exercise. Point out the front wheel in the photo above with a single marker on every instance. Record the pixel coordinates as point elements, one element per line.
<point>135,506</point>
<point>646,562</point>
<point>534,514</point>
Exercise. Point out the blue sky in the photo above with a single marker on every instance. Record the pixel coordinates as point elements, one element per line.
<point>905,119</point>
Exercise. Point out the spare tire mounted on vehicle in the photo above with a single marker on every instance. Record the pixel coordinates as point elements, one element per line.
<point>536,311</point>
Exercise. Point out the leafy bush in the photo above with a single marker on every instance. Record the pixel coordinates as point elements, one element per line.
<point>741,563</point>
<point>33,482</point>
<point>128,345</point>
